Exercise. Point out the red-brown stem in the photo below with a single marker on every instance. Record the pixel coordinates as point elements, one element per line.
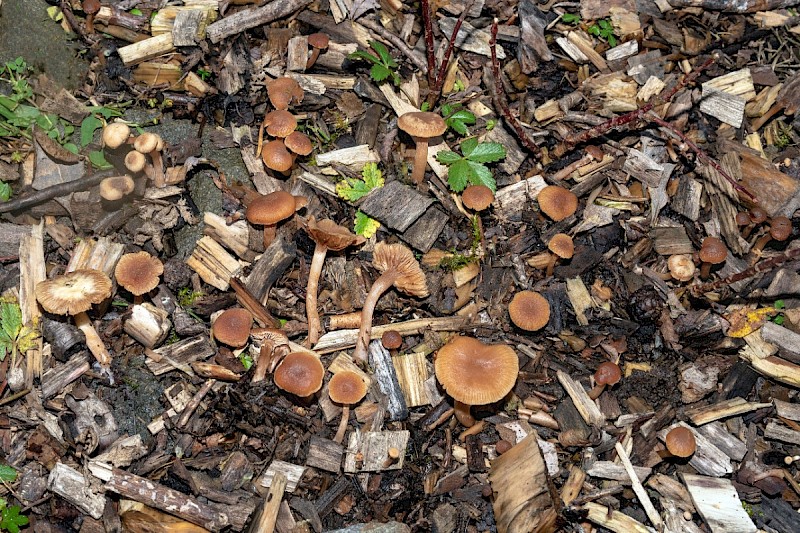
<point>314,273</point>
<point>427,24</point>
<point>313,58</point>
<point>381,285</point>
<point>705,270</point>
<point>463,415</point>
<point>436,91</point>
<point>499,96</point>
<point>551,265</point>
<point>763,266</point>
<point>339,437</point>
<point>420,160</point>
<point>595,392</point>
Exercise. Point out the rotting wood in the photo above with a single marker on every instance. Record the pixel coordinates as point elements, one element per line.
<point>252,17</point>
<point>148,324</point>
<point>32,270</point>
<point>367,451</point>
<point>718,503</point>
<point>638,489</point>
<point>56,379</point>
<point>384,374</point>
<point>614,520</point>
<point>233,236</point>
<point>412,371</point>
<point>147,49</point>
<point>346,338</point>
<point>292,472</point>
<point>707,459</point>
<point>703,414</point>
<point>73,486</point>
<point>269,267</point>
<point>182,352</point>
<point>325,455</point>
<point>213,263</point>
<point>101,254</point>
<point>267,515</point>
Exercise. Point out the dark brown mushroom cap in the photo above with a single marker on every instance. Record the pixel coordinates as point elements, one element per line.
<point>557,202</point>
<point>742,218</point>
<point>115,134</point>
<point>232,327</point>
<point>331,235</point>
<point>713,251</point>
<point>298,143</point>
<point>271,208</point>
<point>422,124</point>
<point>475,373</point>
<point>138,272</point>
<point>300,373</point>
<point>608,373</point>
<point>397,257</point>
<point>680,442</point>
<point>758,215</point>
<point>276,156</point>
<point>283,91</point>
<point>477,197</point>
<point>280,123</point>
<point>392,339</point>
<point>318,40</point>
<point>529,310</point>
<point>346,388</point>
<point>91,7</point>
<point>115,187</point>
<point>561,244</point>
<point>780,228</point>
<point>73,292</point>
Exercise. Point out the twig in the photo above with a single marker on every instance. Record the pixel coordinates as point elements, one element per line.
<point>764,266</point>
<point>395,41</point>
<point>499,96</point>
<point>15,396</point>
<point>428,26</point>
<point>55,191</point>
<point>436,91</point>
<point>188,411</point>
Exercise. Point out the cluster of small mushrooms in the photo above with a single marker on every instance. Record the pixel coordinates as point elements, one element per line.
<point>143,157</point>
<point>279,153</point>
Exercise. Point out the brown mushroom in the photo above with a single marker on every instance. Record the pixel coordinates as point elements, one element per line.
<point>90,7</point>
<point>474,373</point>
<point>135,161</point>
<point>345,388</point>
<point>529,310</point>
<point>399,268</point>
<point>116,134</point>
<point>151,144</point>
<point>116,187</point>
<point>282,92</point>
<point>607,374</point>
<point>557,203</point>
<point>780,229</point>
<point>681,267</point>
<point>73,294</point>
<point>300,373</point>
<point>392,340</point>
<point>477,197</point>
<point>562,247</point>
<point>138,273</point>
<point>422,126</point>
<point>757,217</point>
<point>232,327</point>
<point>328,236</point>
<point>680,443</point>
<point>277,157</point>
<point>280,123</point>
<point>268,210</point>
<point>299,143</point>
<point>274,347</point>
<point>712,252</point>
<point>319,42</point>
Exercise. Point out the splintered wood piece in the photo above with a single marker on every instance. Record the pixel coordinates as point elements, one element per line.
<point>368,451</point>
<point>183,352</point>
<point>250,18</point>
<point>790,411</point>
<point>671,241</point>
<point>637,487</point>
<point>722,439</point>
<point>426,229</point>
<point>614,520</point>
<point>100,254</point>
<point>725,97</point>
<point>189,26</point>
<point>292,472</point>
<point>270,267</point>
<point>213,371</point>
<point>616,471</point>
<point>148,324</point>
<point>324,454</point>
<point>123,451</point>
<point>707,459</point>
<point>412,371</point>
<point>703,414</point>
<point>346,338</point>
<point>382,203</point>
<point>344,362</point>
<point>151,73</point>
<point>31,271</point>
<point>717,501</point>
<point>356,156</point>
<point>320,183</point>
<point>297,54</point>
<point>574,484</point>
<point>623,50</point>
<point>233,236</point>
<point>513,199</point>
<point>785,339</point>
<point>213,263</point>
<point>585,406</point>
<point>580,299</point>
<point>168,17</point>
<point>672,489</point>
<point>268,513</point>
<point>584,43</point>
<point>383,371</point>
<point>76,489</point>
<point>146,49</point>
<point>56,379</point>
<point>523,501</point>
<point>775,368</point>
<point>320,83</point>
<point>781,433</point>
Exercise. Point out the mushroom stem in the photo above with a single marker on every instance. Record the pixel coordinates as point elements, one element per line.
<point>380,286</point>
<point>313,59</point>
<point>93,341</point>
<point>312,314</point>
<point>705,270</point>
<point>761,243</point>
<point>420,160</point>
<point>550,265</point>
<point>596,391</point>
<point>339,437</point>
<point>159,178</point>
<point>270,231</point>
<point>463,415</point>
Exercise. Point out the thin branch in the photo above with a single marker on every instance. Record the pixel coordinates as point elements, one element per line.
<point>427,24</point>
<point>763,266</point>
<point>436,91</point>
<point>395,41</point>
<point>62,189</point>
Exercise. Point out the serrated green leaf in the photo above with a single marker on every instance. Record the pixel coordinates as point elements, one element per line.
<point>612,41</point>
<point>8,474</point>
<point>5,191</point>
<point>365,226</point>
<point>467,117</point>
<point>11,520</point>
<point>448,157</point>
<point>98,159</point>
<point>379,72</point>
<point>383,52</point>
<point>10,319</point>
<point>458,175</point>
<point>447,110</point>
<point>457,126</point>
<point>480,175</point>
<point>366,56</point>
<point>487,153</point>
<point>89,125</point>
<point>468,145</point>
<point>373,177</point>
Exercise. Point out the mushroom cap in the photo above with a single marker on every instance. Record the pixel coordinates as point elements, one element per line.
<point>608,373</point>
<point>146,142</point>
<point>115,134</point>
<point>280,123</point>
<point>681,267</point>
<point>758,215</point>
<point>422,124</point>
<point>276,156</point>
<point>529,310</point>
<point>300,373</point>
<point>346,388</point>
<point>397,257</point>
<point>713,251</point>
<point>135,161</point>
<point>271,208</point>
<point>116,187</point>
<point>780,228</point>
<point>742,218</point>
<point>138,272</point>
<point>475,373</point>
<point>318,40</point>
<point>680,442</point>
<point>298,143</point>
<point>73,292</point>
<point>282,91</point>
<point>561,244</point>
<point>91,7</point>
<point>328,233</point>
<point>232,327</point>
<point>477,197</point>
<point>557,202</point>
<point>392,339</point>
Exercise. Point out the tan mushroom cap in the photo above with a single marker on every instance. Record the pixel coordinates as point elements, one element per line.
<point>276,156</point>
<point>135,161</point>
<point>346,388</point>
<point>271,208</point>
<point>475,373</point>
<point>608,373</point>
<point>681,267</point>
<point>116,134</point>
<point>557,202</point>
<point>283,91</point>
<point>713,251</point>
<point>138,272</point>
<point>280,123</point>
<point>477,197</point>
<point>529,310</point>
<point>318,40</point>
<point>680,442</point>
<point>232,327</point>
<point>147,142</point>
<point>396,256</point>
<point>331,235</point>
<point>561,244</point>
<point>300,373</point>
<point>116,187</point>
<point>298,143</point>
<point>422,124</point>
<point>73,292</point>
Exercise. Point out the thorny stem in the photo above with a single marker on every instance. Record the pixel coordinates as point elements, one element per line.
<point>312,314</point>
<point>428,25</point>
<point>381,285</point>
<point>436,91</point>
<point>763,266</point>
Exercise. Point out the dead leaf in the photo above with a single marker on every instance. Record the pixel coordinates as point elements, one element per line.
<point>350,104</point>
<point>53,149</point>
<point>362,6</point>
<point>746,321</point>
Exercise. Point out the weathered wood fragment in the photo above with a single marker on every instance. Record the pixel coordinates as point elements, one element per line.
<point>100,254</point>
<point>267,514</point>
<point>724,97</point>
<point>383,372</point>
<point>324,454</point>
<point>71,485</point>
<point>585,406</point>
<point>346,338</point>
<point>270,267</point>
<point>718,503</point>
<point>412,371</point>
<point>292,472</point>
<point>56,379</point>
<point>356,156</point>
<point>233,236</point>
<point>178,355</point>
<point>707,459</point>
<point>146,49</point>
<point>671,240</point>
<point>213,263</point>
<point>148,324</point>
<point>616,472</point>
<point>367,451</point>
<point>788,341</point>
<point>773,430</point>
<point>638,489</point>
<point>615,521</point>
<point>788,410</point>
<point>31,271</point>
<point>250,18</point>
<point>703,414</point>
<point>381,204</point>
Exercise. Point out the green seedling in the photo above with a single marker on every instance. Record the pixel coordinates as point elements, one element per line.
<point>470,168</point>
<point>570,18</point>
<point>10,519</point>
<point>352,190</point>
<point>364,225</point>
<point>15,337</point>
<point>5,191</point>
<point>457,118</point>
<point>605,30</point>
<point>383,64</point>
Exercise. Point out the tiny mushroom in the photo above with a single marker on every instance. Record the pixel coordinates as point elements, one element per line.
<point>400,268</point>
<point>138,273</point>
<point>712,252</point>
<point>135,161</point>
<point>115,187</point>
<point>474,373</point>
<point>284,91</point>
<point>300,373</point>
<point>280,123</point>
<point>274,347</point>
<point>268,210</point>
<point>73,294</point>
<point>607,373</point>
<point>277,157</point>
<point>327,235</point>
<point>557,202</point>
<point>232,327</point>
<point>780,229</point>
<point>90,7</point>
<point>392,340</point>
<point>346,388</point>
<point>116,134</point>
<point>319,42</point>
<point>680,443</point>
<point>757,217</point>
<point>299,143</point>
<point>477,197</point>
<point>681,267</point>
<point>562,247</point>
<point>422,126</point>
<point>152,144</point>
<point>529,310</point>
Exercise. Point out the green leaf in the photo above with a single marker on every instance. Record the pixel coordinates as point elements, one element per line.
<point>10,319</point>
<point>612,41</point>
<point>136,11</point>
<point>458,175</point>
<point>468,146</point>
<point>383,52</point>
<point>379,72</point>
<point>448,158</point>
<point>480,175</point>
<point>11,520</point>
<point>71,147</point>
<point>462,115</point>
<point>366,56</point>
<point>352,189</point>
<point>5,191</point>
<point>487,153</point>
<point>98,159</point>
<point>8,474</point>
<point>365,226</point>
<point>373,177</point>
<point>89,125</point>
<point>447,110</point>
<point>594,29</point>
<point>570,18</point>
<point>457,126</point>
